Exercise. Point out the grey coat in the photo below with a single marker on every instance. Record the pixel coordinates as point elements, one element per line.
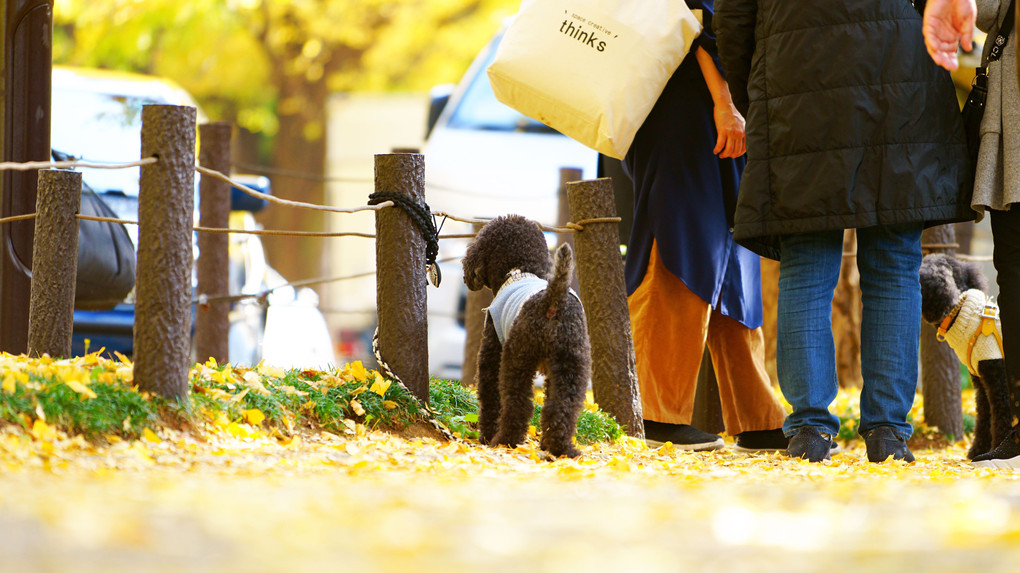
<point>997,177</point>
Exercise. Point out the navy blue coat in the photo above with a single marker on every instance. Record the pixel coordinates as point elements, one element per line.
<point>681,193</point>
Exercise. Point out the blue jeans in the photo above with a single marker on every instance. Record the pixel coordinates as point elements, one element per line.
<point>888,259</point>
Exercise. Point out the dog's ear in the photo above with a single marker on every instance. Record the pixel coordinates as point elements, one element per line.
<point>970,276</point>
<point>939,292</point>
<point>471,263</point>
<point>474,269</point>
<point>476,280</point>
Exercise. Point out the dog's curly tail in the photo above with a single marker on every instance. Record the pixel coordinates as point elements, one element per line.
<point>559,281</point>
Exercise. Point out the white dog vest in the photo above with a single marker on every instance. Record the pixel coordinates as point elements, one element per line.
<point>975,334</point>
<point>518,289</point>
<point>511,296</point>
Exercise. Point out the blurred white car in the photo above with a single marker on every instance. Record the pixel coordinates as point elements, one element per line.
<point>96,117</point>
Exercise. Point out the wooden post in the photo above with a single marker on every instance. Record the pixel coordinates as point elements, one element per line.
<point>54,263</point>
<point>940,368</point>
<point>400,274</point>
<point>474,323</point>
<point>567,175</point>
<point>212,324</point>
<point>604,295</point>
<point>163,284</point>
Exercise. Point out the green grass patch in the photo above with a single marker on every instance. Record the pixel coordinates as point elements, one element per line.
<point>94,397</point>
<point>104,407</point>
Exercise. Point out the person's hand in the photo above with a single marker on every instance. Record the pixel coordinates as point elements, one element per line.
<point>730,126</point>
<point>948,24</point>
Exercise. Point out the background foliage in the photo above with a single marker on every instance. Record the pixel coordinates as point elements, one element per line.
<point>270,66</point>
<point>239,57</point>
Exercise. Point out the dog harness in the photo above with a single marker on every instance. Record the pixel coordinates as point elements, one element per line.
<point>975,333</point>
<point>518,289</point>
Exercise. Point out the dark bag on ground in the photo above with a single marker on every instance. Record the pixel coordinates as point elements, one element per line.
<point>106,257</point>
<point>974,107</point>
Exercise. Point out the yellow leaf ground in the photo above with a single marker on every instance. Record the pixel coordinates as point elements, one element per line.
<point>375,502</point>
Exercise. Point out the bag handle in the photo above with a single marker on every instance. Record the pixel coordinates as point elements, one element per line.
<point>1002,36</point>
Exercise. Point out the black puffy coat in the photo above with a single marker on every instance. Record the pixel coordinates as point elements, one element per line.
<point>849,122</point>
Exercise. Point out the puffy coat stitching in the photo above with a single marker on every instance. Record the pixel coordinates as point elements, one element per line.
<point>855,23</point>
<point>847,87</point>
<point>847,147</point>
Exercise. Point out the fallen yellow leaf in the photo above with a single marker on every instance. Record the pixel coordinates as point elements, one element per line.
<point>271,371</point>
<point>43,431</point>
<point>254,416</point>
<point>150,436</point>
<point>80,388</point>
<point>381,385</point>
<point>240,395</point>
<point>357,369</point>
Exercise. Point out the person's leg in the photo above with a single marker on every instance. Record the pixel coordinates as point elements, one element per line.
<point>1006,256</point>
<point>1006,238</point>
<point>805,351</point>
<point>669,324</point>
<point>738,356</point>
<point>889,260</point>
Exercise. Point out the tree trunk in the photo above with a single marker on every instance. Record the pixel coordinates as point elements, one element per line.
<point>300,146</point>
<point>940,368</point>
<point>846,316</point>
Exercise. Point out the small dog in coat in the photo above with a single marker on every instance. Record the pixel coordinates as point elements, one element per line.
<point>953,300</point>
<point>534,324</point>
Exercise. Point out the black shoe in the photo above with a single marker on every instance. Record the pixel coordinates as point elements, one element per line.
<point>883,442</point>
<point>810,444</point>
<point>1005,456</point>
<point>762,441</point>
<point>682,436</point>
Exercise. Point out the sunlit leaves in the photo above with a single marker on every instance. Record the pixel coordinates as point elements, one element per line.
<point>242,498</point>
<point>235,55</point>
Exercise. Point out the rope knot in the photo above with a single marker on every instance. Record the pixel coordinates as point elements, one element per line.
<point>422,217</point>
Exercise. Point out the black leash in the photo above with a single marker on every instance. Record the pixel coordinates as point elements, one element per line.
<point>422,217</point>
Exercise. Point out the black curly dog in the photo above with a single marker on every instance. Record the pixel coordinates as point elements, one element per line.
<point>944,280</point>
<point>549,335</point>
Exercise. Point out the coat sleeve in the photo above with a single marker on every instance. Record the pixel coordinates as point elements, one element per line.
<point>987,14</point>
<point>733,24</point>
<point>706,39</point>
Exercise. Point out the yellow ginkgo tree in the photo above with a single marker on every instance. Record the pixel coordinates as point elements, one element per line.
<point>270,65</point>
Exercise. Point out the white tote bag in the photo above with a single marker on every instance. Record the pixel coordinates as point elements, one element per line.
<point>592,69</point>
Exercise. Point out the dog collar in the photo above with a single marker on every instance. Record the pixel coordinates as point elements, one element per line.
<point>940,334</point>
<point>515,275</point>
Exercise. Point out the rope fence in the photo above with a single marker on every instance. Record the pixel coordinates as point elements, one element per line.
<point>406,242</point>
<point>569,227</point>
<point>30,165</point>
